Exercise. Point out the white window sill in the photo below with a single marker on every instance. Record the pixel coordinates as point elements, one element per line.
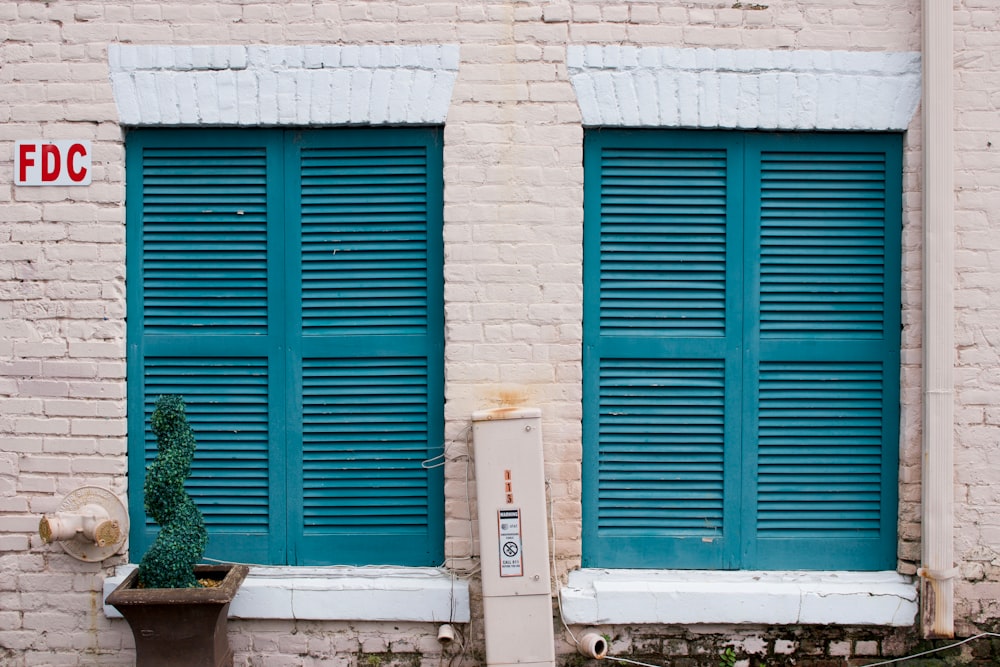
<point>342,594</point>
<point>599,597</point>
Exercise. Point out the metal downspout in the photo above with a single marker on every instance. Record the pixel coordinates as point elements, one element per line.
<point>937,548</point>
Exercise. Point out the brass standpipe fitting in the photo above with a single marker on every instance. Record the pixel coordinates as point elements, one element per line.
<point>91,524</point>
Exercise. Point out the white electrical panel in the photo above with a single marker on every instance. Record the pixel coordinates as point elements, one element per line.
<point>513,536</point>
<point>519,631</point>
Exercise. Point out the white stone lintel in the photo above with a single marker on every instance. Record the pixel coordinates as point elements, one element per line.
<point>163,85</point>
<point>628,86</point>
<point>607,597</point>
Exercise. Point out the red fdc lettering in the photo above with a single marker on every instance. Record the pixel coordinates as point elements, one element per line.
<point>26,150</point>
<point>50,163</point>
<point>76,174</point>
<point>53,162</point>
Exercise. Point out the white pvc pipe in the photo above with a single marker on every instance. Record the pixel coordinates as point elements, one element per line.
<point>446,633</point>
<point>937,549</point>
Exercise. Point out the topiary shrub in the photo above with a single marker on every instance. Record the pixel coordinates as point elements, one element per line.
<point>170,562</point>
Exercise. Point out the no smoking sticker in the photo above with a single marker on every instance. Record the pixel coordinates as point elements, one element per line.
<point>509,524</point>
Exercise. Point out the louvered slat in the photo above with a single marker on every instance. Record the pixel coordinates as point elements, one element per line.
<point>662,241</point>
<point>204,240</point>
<point>364,438</point>
<point>364,240</point>
<point>822,244</point>
<point>662,438</point>
<point>227,407</point>
<point>819,449</point>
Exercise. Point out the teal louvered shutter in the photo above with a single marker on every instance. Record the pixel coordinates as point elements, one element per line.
<point>201,223</point>
<point>741,341</point>
<point>289,286</point>
<point>661,351</point>
<point>827,381</point>
<point>369,333</point>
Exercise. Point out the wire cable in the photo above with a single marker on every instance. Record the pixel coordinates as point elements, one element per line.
<point>933,650</point>
<point>631,662</point>
<point>556,579</point>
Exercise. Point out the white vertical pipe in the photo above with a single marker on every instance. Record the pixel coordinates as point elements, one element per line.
<point>937,549</point>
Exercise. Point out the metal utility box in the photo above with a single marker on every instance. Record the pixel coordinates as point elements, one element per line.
<point>513,535</point>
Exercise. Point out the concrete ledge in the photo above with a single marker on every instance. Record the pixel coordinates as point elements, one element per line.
<point>597,597</point>
<point>627,86</point>
<point>342,594</point>
<point>371,84</point>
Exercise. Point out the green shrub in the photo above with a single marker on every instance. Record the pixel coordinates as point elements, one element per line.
<point>170,561</point>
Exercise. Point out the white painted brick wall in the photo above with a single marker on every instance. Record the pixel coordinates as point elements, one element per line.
<point>977,197</point>
<point>512,231</point>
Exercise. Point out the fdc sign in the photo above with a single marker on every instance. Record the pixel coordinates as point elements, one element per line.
<point>61,162</point>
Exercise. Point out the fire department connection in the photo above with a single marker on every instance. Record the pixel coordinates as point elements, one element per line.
<point>510,487</point>
<point>60,162</point>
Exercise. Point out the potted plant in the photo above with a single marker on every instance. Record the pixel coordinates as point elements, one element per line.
<point>177,609</point>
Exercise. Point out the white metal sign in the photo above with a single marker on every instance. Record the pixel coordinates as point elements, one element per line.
<point>59,162</point>
<point>511,559</point>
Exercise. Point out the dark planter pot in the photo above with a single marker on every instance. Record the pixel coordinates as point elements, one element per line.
<point>176,627</point>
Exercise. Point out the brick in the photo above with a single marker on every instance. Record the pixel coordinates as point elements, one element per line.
<point>45,464</point>
<point>840,648</point>
<point>95,350</point>
<point>13,504</point>
<point>15,542</point>
<point>19,640</point>
<point>100,466</point>
<point>41,425</point>
<point>866,648</point>
<point>103,389</point>
<point>30,484</point>
<point>43,387</point>
<point>35,445</point>
<point>50,621</point>
<point>97,427</point>
<point>18,524</point>
<point>10,620</point>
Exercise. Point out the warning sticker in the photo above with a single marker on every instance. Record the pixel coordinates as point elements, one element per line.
<point>509,523</point>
